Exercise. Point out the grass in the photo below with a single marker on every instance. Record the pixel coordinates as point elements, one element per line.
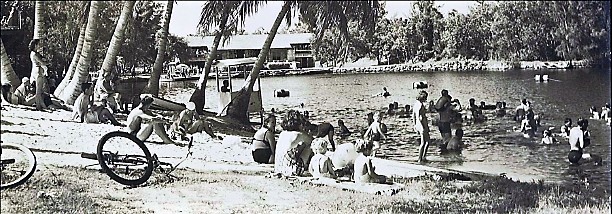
<point>79,190</point>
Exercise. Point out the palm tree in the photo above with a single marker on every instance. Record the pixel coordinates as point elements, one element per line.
<point>328,12</point>
<point>36,73</point>
<point>59,90</point>
<point>162,37</point>
<point>238,11</point>
<point>238,107</point>
<point>110,59</point>
<point>82,69</point>
<point>8,74</point>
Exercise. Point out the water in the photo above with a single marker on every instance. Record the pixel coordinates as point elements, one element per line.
<point>492,147</point>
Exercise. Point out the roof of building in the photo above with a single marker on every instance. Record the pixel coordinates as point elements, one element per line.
<point>251,42</point>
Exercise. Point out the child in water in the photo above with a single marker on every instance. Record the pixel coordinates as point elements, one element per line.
<point>548,139</point>
<point>320,165</point>
<point>375,132</point>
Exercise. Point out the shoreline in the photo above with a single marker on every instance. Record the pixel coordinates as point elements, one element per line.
<point>221,177</point>
<point>458,65</point>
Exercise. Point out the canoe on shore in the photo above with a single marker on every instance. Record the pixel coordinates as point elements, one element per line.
<point>164,104</point>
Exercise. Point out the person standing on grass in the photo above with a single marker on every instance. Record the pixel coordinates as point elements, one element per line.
<point>420,124</point>
<point>443,107</point>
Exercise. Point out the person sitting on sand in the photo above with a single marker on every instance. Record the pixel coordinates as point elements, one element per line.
<point>189,123</point>
<point>293,151</point>
<point>456,143</point>
<point>82,103</point>
<point>375,132</point>
<point>548,139</point>
<point>320,165</point>
<point>105,89</point>
<point>344,131</point>
<point>101,114</point>
<point>263,143</point>
<point>363,169</point>
<point>142,114</point>
<point>24,94</point>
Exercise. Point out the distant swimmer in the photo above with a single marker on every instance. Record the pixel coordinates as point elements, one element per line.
<point>344,131</point>
<point>594,113</point>
<point>385,93</point>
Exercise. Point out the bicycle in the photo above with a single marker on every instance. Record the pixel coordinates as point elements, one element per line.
<point>129,167</point>
<point>17,164</point>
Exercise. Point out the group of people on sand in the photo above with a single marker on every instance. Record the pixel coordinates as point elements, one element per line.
<point>41,82</point>
<point>302,148</point>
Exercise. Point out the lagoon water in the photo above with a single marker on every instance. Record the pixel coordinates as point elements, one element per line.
<point>491,146</point>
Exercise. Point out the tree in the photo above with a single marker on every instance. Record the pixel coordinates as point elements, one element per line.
<point>59,91</point>
<point>238,107</point>
<point>37,73</point>
<point>82,70</point>
<point>8,74</point>
<point>238,11</point>
<point>162,40</point>
<point>426,17</point>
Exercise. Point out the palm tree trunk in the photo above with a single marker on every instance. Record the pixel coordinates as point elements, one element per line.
<point>153,86</point>
<point>238,107</point>
<point>37,72</point>
<point>82,69</point>
<point>59,91</point>
<point>8,74</point>
<point>110,60</point>
<point>199,95</point>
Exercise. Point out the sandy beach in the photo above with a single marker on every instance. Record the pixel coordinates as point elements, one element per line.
<point>220,177</point>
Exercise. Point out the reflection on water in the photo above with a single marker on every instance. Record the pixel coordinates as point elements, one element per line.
<point>492,146</point>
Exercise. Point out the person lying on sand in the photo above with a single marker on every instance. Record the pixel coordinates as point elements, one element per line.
<point>188,123</point>
<point>364,170</point>
<point>320,165</point>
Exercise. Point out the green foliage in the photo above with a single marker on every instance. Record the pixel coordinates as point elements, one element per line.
<point>505,30</point>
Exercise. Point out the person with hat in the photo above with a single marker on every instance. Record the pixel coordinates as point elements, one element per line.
<point>189,123</point>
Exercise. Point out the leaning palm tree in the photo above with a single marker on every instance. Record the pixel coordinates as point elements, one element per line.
<point>8,74</point>
<point>328,12</point>
<point>162,39</point>
<point>59,90</point>
<point>110,60</point>
<point>82,69</point>
<point>232,14</point>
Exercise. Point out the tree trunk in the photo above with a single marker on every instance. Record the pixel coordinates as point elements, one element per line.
<point>238,107</point>
<point>59,91</point>
<point>153,86</point>
<point>199,95</point>
<point>110,60</point>
<point>37,72</point>
<point>8,74</point>
<point>82,69</point>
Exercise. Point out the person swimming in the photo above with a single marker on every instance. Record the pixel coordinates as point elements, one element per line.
<point>548,139</point>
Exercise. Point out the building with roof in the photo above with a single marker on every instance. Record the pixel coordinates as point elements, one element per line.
<point>286,51</point>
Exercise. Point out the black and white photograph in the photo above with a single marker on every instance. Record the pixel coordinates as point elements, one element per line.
<point>178,106</point>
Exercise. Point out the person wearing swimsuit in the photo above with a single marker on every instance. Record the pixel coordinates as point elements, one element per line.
<point>321,165</point>
<point>264,144</point>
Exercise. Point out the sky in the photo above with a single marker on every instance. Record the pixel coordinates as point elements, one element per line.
<point>186,14</point>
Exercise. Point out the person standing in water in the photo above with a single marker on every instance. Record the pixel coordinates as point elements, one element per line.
<point>420,124</point>
<point>443,107</point>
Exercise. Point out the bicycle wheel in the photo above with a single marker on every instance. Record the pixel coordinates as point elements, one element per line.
<point>124,158</point>
<point>17,165</point>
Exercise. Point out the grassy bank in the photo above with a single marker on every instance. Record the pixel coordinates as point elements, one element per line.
<point>81,190</point>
